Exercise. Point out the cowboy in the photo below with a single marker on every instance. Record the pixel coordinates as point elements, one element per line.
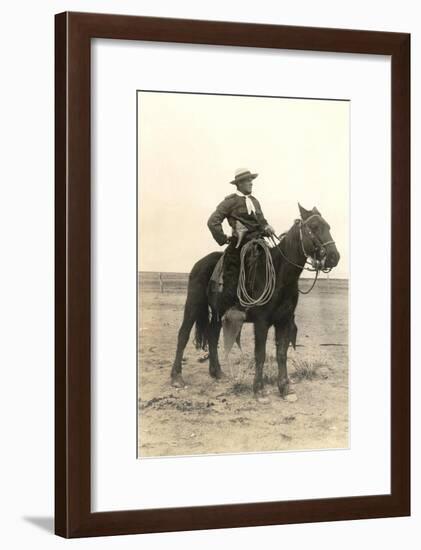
<point>246,218</point>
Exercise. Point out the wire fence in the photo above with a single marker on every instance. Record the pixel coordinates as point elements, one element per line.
<point>166,282</point>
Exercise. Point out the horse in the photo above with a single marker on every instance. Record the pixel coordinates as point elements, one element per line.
<point>308,238</point>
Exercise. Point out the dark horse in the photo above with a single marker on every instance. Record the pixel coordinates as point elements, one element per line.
<point>309,237</point>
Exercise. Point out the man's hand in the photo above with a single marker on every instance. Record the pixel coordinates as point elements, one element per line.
<point>269,230</point>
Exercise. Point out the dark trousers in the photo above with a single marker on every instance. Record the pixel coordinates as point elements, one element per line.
<point>231,274</point>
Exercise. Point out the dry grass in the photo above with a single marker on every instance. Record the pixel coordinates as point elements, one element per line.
<point>298,368</point>
<point>239,388</point>
<point>305,370</point>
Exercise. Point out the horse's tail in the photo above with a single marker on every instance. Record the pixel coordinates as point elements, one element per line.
<point>197,305</point>
<point>201,336</point>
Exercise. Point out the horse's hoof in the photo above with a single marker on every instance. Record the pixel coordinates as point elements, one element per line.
<point>178,382</point>
<point>291,397</point>
<point>263,400</point>
<point>284,389</point>
<point>218,375</point>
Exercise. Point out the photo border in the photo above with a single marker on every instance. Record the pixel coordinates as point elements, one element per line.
<point>219,94</point>
<point>73,35</point>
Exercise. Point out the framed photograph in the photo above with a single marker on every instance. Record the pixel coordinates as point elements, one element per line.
<point>232,274</point>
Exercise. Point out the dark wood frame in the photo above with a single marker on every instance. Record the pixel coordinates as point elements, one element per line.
<point>73,34</point>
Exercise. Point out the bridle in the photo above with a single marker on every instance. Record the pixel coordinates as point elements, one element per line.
<point>319,247</point>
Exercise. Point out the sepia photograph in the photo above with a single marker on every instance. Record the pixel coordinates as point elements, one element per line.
<point>242,274</point>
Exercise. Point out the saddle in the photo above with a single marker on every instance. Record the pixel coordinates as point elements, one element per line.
<point>234,318</point>
<point>216,282</point>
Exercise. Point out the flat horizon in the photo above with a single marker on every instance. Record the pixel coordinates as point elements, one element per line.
<point>322,275</point>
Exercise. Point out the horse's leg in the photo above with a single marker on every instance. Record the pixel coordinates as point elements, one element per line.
<point>260,336</point>
<point>183,337</point>
<point>214,331</point>
<point>283,336</point>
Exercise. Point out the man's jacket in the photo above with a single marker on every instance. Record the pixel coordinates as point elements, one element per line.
<point>233,208</point>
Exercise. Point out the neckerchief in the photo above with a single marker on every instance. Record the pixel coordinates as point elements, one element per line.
<point>249,203</point>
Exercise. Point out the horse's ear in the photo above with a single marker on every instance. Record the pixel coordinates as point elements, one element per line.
<point>315,211</point>
<point>304,213</point>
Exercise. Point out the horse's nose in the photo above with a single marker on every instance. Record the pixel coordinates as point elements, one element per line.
<point>332,259</point>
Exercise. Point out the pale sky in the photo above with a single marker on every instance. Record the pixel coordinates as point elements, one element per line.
<point>190,146</point>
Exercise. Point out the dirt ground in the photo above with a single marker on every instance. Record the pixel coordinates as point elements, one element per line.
<point>209,416</point>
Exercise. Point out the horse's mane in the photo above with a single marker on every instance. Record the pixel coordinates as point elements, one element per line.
<point>289,239</point>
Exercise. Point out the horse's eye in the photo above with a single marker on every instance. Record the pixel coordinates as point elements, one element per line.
<point>314,226</point>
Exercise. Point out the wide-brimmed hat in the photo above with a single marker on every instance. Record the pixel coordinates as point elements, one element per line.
<point>243,173</point>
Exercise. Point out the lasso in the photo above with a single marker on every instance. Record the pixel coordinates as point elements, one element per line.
<point>270,277</point>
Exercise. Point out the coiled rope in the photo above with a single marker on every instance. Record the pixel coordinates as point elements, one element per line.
<point>270,277</point>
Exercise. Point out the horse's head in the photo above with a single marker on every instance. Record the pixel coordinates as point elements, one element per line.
<point>316,238</point>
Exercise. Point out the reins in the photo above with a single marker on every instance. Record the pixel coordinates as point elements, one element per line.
<point>270,282</point>
<point>313,261</point>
